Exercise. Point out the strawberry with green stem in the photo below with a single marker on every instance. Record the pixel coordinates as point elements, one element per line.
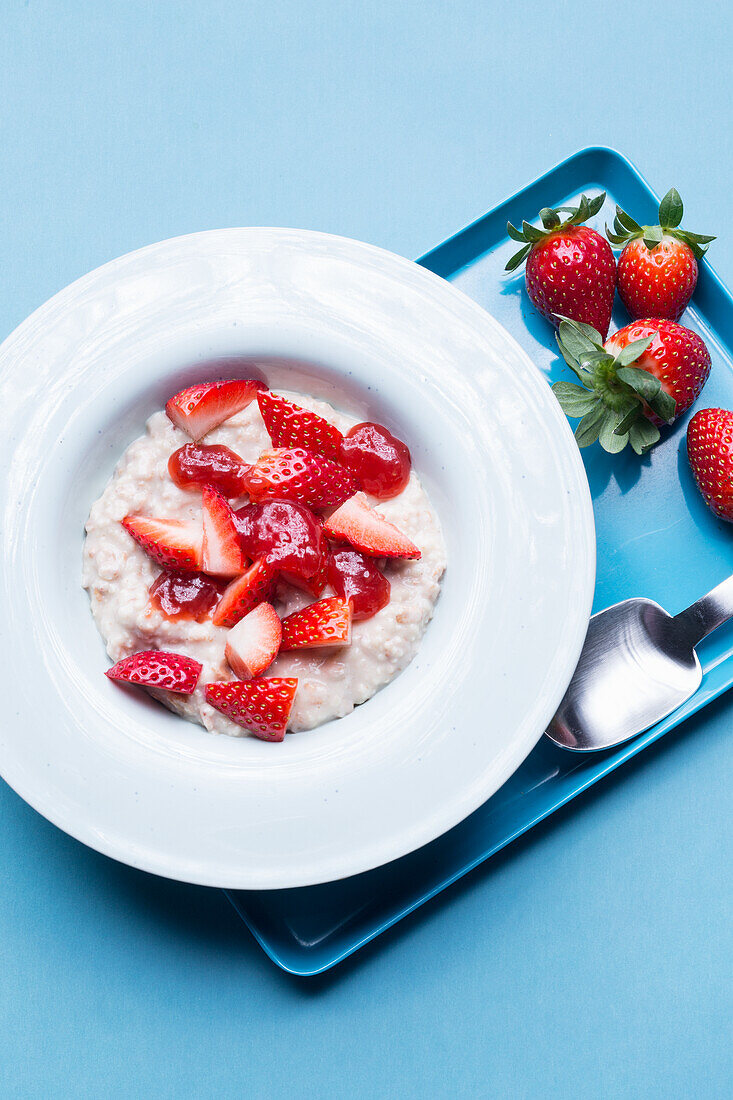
<point>657,269</point>
<point>645,375</point>
<point>571,270</point>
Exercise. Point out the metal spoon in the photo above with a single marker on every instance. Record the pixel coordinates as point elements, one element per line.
<point>638,664</point>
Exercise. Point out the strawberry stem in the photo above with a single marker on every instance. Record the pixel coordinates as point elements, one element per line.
<point>615,398</point>
<point>530,234</point>
<point>625,229</point>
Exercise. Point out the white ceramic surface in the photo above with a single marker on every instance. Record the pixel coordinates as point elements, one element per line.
<point>381,338</point>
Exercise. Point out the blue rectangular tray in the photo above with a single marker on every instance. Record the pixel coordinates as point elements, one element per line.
<point>655,538</point>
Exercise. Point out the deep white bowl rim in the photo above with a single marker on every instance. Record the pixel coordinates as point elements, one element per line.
<point>327,260</point>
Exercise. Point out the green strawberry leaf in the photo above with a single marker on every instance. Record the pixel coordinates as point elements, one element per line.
<point>596,203</point>
<point>573,341</point>
<point>591,359</point>
<point>664,406</point>
<point>589,428</point>
<point>582,213</point>
<point>515,234</point>
<point>585,377</point>
<point>643,435</point>
<point>611,445</point>
<point>609,437</point>
<point>571,362</point>
<point>626,222</point>
<point>671,209</point>
<point>652,236</point>
<point>517,258</point>
<point>531,232</point>
<point>629,419</point>
<point>549,218</point>
<point>592,334</point>
<point>698,242</point>
<point>622,231</point>
<point>616,238</point>
<point>644,383</point>
<point>698,238</point>
<point>574,400</point>
<point>632,351</point>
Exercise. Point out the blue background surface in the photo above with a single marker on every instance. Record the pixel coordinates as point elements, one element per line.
<point>592,959</point>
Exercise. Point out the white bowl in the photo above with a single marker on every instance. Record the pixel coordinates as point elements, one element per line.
<point>384,339</point>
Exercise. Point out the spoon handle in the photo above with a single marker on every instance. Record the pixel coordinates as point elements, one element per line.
<point>707,613</point>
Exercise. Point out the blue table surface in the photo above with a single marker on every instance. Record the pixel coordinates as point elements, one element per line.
<point>592,959</point>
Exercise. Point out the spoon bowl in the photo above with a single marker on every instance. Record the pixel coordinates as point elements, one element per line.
<point>634,670</point>
<point>638,664</point>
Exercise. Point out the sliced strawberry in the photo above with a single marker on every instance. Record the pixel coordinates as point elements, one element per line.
<point>367,530</point>
<point>299,475</point>
<point>156,669</point>
<point>252,644</point>
<point>312,585</point>
<point>290,426</point>
<point>260,706</point>
<point>173,543</point>
<point>243,594</point>
<point>222,553</point>
<point>327,622</point>
<point>200,408</point>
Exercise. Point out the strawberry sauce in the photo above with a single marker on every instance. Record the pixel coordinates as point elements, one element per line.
<point>356,578</point>
<point>185,595</point>
<point>197,464</point>
<point>286,534</point>
<point>379,460</point>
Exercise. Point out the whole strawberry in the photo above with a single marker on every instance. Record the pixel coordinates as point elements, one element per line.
<point>710,451</point>
<point>571,271</point>
<point>657,270</point>
<point>645,375</point>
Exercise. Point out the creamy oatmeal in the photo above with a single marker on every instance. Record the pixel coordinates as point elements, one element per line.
<point>331,682</point>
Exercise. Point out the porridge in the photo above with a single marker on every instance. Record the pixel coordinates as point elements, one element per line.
<point>272,574</point>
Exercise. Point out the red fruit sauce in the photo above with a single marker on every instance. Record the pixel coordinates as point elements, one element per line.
<point>379,460</point>
<point>196,464</point>
<point>185,595</point>
<point>286,534</point>
<point>355,577</point>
